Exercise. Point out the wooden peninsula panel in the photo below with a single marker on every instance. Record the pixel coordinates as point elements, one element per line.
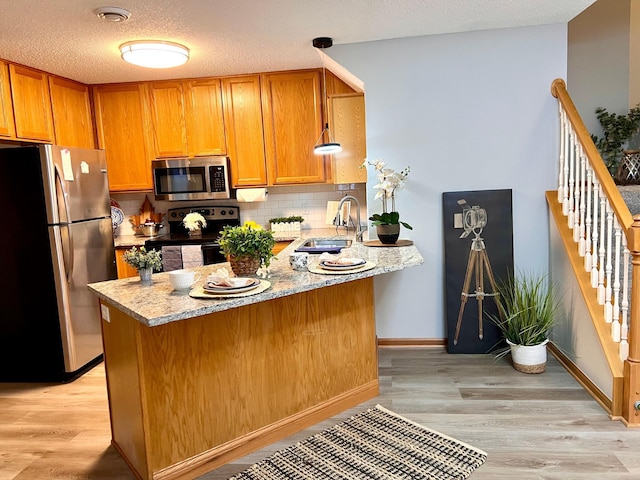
<point>189,396</point>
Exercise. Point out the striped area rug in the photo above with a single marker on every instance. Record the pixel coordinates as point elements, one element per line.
<point>375,444</point>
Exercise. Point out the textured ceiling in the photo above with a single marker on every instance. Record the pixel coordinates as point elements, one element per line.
<point>229,37</point>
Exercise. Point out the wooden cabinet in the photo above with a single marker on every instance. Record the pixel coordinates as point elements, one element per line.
<point>122,120</point>
<point>124,269</point>
<point>347,123</point>
<point>187,118</point>
<point>31,104</point>
<point>7,125</point>
<point>292,116</point>
<point>280,245</point>
<point>72,118</point>
<point>245,136</point>
<point>168,119</point>
<point>205,118</point>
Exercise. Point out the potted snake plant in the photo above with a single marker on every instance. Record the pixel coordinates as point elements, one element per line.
<point>526,314</point>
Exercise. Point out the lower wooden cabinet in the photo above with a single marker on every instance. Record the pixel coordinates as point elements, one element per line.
<point>124,269</point>
<point>279,246</point>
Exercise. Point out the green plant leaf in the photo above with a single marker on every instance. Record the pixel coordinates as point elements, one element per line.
<point>527,306</point>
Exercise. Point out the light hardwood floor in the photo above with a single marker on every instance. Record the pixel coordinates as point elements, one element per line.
<point>532,426</point>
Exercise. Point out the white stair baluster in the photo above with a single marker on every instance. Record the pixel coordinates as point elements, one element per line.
<point>601,250</point>
<point>624,309</point>
<point>572,180</point>
<point>588,221</point>
<point>615,317</point>
<point>596,236</point>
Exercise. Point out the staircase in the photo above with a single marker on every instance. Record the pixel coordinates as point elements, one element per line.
<point>592,222</point>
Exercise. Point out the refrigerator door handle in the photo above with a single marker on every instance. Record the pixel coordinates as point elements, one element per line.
<point>67,253</point>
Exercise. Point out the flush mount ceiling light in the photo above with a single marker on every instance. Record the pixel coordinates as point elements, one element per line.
<point>154,53</point>
<point>113,14</point>
<point>325,148</point>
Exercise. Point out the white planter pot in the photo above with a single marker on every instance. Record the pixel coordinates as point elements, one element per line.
<point>529,358</point>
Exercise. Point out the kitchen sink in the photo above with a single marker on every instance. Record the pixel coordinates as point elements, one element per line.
<point>320,245</point>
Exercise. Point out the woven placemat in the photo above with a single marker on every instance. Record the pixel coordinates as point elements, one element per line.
<point>375,444</point>
<point>199,292</point>
<point>315,268</point>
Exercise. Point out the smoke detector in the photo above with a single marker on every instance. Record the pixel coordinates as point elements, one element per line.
<point>113,14</point>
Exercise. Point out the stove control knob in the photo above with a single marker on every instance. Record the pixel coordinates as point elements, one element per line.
<point>223,213</point>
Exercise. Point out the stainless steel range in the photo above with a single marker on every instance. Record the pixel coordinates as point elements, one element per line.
<point>181,250</point>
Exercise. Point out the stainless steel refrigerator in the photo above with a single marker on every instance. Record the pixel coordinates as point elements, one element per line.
<point>56,236</point>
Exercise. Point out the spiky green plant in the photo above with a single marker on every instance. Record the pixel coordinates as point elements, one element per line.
<point>526,308</point>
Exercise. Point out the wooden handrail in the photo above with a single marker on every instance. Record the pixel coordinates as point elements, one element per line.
<point>559,90</point>
<point>631,228</point>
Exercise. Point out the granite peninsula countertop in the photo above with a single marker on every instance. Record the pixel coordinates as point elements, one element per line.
<point>158,303</point>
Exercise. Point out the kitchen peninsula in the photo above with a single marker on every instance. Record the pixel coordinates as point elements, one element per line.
<point>195,383</point>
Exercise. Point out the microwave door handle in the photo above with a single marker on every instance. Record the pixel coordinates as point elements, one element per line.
<point>68,257</point>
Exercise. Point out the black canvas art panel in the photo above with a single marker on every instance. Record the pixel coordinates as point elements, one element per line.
<point>478,244</point>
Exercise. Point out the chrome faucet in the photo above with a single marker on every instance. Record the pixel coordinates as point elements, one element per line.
<point>359,229</point>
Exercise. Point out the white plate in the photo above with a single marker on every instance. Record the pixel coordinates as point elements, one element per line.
<point>219,290</point>
<point>341,267</point>
<point>117,216</point>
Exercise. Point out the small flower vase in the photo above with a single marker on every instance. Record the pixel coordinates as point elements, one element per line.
<point>244,265</point>
<point>195,233</point>
<point>388,234</point>
<point>145,275</point>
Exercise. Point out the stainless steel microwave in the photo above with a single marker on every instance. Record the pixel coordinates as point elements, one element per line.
<point>201,178</point>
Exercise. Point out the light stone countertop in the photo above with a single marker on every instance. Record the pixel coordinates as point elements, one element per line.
<point>158,303</point>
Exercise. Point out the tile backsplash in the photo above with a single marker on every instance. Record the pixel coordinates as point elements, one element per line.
<point>308,201</point>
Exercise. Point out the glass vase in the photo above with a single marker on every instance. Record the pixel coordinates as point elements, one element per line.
<point>145,275</point>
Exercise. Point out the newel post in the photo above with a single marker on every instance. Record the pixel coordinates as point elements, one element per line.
<point>630,412</point>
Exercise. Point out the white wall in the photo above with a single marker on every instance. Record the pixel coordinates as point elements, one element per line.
<point>467,111</point>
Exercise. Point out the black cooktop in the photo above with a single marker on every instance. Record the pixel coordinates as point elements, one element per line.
<point>217,218</point>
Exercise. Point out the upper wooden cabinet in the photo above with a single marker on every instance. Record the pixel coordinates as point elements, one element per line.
<point>168,119</point>
<point>292,113</point>
<point>122,120</point>
<point>347,123</point>
<point>205,118</point>
<point>31,104</point>
<point>245,137</point>
<point>7,126</point>
<point>72,118</point>
<point>187,118</point>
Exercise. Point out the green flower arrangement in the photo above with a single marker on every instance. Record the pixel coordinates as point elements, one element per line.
<point>139,258</point>
<point>291,219</point>
<point>248,240</point>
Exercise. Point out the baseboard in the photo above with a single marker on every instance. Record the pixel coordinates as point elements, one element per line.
<point>591,388</point>
<point>412,342</point>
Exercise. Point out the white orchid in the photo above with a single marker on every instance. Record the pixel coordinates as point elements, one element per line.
<point>388,182</point>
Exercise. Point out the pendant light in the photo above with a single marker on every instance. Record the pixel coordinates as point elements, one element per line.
<point>325,148</point>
